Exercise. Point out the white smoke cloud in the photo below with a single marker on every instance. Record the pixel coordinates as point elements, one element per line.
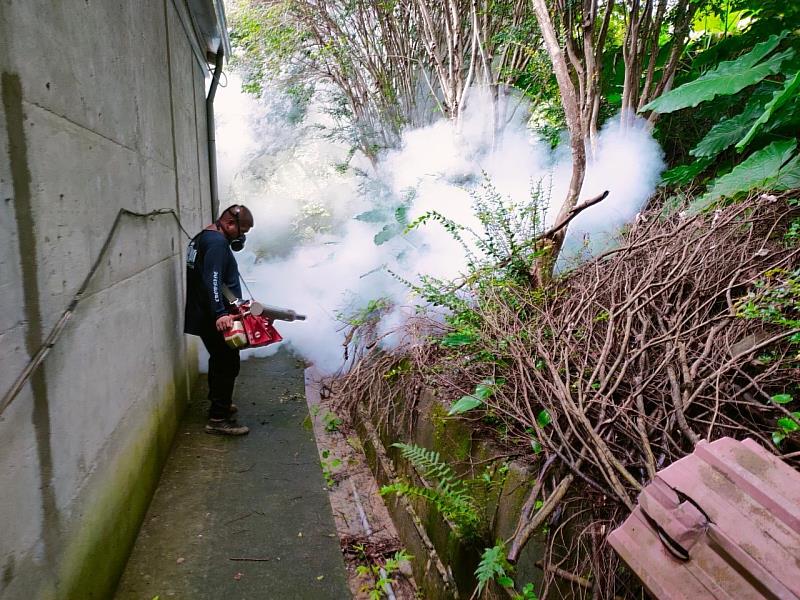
<point>628,163</point>
<point>310,253</point>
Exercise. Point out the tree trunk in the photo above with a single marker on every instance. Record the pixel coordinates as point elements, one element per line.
<point>543,269</point>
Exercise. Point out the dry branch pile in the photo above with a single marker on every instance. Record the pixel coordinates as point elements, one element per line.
<point>635,356</point>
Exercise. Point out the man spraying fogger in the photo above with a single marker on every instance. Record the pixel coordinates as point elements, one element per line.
<point>210,268</point>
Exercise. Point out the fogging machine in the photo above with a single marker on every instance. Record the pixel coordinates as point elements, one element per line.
<point>252,322</point>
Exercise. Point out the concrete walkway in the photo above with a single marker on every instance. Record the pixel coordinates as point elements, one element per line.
<point>242,518</point>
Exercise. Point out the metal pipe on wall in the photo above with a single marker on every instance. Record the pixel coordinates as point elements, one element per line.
<point>212,138</point>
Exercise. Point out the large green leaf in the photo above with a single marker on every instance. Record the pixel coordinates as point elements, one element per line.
<point>727,132</point>
<point>782,398</point>
<point>789,176</point>
<point>483,391</point>
<point>728,78</point>
<point>789,425</point>
<point>683,174</point>
<point>458,338</point>
<point>779,98</point>
<point>543,418</point>
<point>760,170</point>
<point>710,20</point>
<point>464,404</point>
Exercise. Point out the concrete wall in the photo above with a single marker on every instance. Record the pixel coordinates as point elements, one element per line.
<point>443,561</point>
<point>102,108</point>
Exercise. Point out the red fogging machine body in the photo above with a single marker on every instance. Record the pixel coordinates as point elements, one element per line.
<point>252,324</point>
<point>251,331</point>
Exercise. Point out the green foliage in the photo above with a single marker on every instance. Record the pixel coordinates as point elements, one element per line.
<point>786,427</point>
<point>267,43</point>
<point>499,257</point>
<point>371,313</point>
<point>765,169</point>
<point>788,177</point>
<point>450,495</point>
<point>711,20</point>
<point>789,424</point>
<point>503,250</point>
<point>765,118</point>
<point>494,566</point>
<point>465,404</point>
<point>782,398</point>
<point>458,338</point>
<point>726,133</point>
<point>331,422</point>
<point>402,367</point>
<point>329,465</point>
<point>727,78</point>
<point>376,215</point>
<point>780,97</point>
<point>393,564</point>
<point>394,218</point>
<point>393,229</point>
<point>528,593</point>
<point>774,300</point>
<point>382,575</point>
<point>483,391</point>
<point>683,174</point>
<point>792,235</point>
<point>543,418</point>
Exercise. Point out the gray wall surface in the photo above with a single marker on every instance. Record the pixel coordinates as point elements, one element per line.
<point>102,108</point>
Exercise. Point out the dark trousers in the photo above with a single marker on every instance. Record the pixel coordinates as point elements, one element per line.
<point>223,367</point>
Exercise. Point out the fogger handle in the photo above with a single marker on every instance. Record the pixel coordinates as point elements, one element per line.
<point>275,313</point>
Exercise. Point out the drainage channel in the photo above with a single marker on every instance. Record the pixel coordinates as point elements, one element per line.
<point>366,532</point>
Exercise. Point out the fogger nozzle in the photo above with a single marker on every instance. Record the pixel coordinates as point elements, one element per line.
<point>275,313</point>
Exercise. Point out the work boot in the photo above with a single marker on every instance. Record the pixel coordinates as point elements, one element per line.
<point>226,427</point>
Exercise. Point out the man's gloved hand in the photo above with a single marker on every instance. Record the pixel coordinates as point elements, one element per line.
<point>225,322</point>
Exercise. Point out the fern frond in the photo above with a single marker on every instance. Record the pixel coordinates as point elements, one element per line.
<point>460,511</point>
<point>450,496</point>
<point>430,465</point>
<point>493,565</point>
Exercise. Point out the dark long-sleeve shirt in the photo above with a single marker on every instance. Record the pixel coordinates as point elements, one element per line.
<point>209,264</point>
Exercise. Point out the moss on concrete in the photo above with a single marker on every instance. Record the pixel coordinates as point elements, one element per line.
<point>102,536</point>
<point>455,441</point>
<point>452,438</point>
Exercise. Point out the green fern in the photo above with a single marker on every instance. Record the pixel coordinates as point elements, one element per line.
<point>494,566</point>
<point>429,464</point>
<point>450,495</point>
